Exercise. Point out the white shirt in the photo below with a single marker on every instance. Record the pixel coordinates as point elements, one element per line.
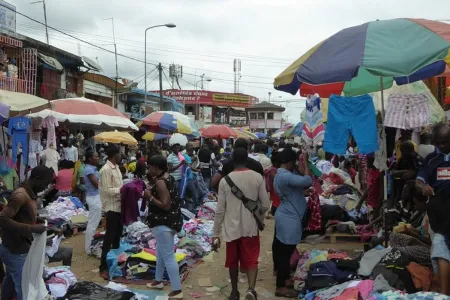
<point>70,153</point>
<point>51,157</point>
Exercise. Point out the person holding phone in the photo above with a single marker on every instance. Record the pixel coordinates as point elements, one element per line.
<point>288,217</point>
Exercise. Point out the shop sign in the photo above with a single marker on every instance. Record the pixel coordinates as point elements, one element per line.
<point>7,41</point>
<point>210,98</point>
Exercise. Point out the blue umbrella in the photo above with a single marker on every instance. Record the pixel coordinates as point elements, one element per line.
<point>261,135</point>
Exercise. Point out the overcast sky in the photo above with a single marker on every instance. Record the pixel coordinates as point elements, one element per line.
<point>266,35</point>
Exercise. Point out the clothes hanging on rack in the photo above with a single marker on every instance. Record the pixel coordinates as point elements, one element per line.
<point>351,115</point>
<point>50,122</point>
<point>407,111</point>
<point>313,128</point>
<point>18,127</point>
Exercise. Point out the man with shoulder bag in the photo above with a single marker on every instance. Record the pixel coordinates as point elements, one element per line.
<point>242,202</point>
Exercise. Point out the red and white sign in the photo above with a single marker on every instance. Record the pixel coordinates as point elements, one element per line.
<point>210,98</point>
<point>6,40</point>
<point>443,174</point>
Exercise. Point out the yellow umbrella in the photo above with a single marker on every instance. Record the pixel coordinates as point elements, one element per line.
<point>241,134</point>
<point>116,137</point>
<point>251,135</point>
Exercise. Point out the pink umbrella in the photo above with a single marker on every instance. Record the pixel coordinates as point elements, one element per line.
<point>82,111</point>
<point>219,132</point>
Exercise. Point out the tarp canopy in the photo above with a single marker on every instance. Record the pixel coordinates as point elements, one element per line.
<point>87,114</point>
<point>21,102</point>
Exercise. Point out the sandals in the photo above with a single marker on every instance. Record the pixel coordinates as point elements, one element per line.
<point>251,295</point>
<point>153,286</point>
<point>289,293</point>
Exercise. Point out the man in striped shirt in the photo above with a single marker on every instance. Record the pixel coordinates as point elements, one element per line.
<point>110,184</point>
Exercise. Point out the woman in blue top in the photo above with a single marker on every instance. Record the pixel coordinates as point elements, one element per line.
<point>91,177</point>
<point>288,217</point>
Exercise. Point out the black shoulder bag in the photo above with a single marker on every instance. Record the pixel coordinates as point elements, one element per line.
<point>251,205</point>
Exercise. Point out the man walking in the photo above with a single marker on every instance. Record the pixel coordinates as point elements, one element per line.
<point>240,229</point>
<point>110,184</point>
<point>18,223</point>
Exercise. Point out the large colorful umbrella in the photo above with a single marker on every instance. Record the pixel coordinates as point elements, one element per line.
<point>219,132</point>
<point>261,135</point>
<point>167,120</point>
<point>116,137</point>
<point>359,59</point>
<point>242,134</point>
<point>277,135</point>
<point>151,136</point>
<point>87,113</point>
<point>294,131</point>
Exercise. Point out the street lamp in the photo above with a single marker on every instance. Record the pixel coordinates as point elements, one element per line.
<point>168,25</point>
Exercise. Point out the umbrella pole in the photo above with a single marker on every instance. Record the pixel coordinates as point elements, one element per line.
<point>385,200</point>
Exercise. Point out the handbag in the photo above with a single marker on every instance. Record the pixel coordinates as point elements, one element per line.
<point>251,205</point>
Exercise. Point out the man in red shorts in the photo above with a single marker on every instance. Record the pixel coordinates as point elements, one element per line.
<point>240,229</point>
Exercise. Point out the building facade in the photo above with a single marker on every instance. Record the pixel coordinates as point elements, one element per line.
<point>208,107</point>
<point>265,117</point>
<point>133,103</point>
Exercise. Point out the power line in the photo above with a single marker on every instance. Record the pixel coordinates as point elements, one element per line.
<point>244,56</point>
<point>74,37</point>
<point>139,60</point>
<point>183,55</point>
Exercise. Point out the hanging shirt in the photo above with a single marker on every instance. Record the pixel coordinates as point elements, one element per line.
<point>18,128</point>
<point>11,179</point>
<point>50,122</point>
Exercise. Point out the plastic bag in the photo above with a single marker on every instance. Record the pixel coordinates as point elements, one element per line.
<point>93,291</point>
<point>33,286</point>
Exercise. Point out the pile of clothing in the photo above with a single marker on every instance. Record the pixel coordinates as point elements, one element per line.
<point>58,280</point>
<point>94,291</point>
<point>65,211</point>
<point>97,244</point>
<point>380,273</point>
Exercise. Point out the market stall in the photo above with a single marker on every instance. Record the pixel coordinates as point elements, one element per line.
<point>345,68</point>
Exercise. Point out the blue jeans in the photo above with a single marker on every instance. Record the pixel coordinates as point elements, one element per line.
<point>193,188</point>
<point>165,256</point>
<point>13,278</point>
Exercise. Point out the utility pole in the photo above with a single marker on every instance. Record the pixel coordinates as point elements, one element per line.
<point>161,104</point>
<point>115,53</point>
<point>45,18</point>
<point>269,96</point>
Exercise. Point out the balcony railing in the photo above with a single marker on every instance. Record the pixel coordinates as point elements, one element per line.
<point>13,84</point>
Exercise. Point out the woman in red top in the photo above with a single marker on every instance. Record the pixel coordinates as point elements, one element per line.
<point>63,182</point>
<point>374,191</point>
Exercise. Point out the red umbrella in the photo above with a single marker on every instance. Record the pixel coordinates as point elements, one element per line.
<point>219,131</point>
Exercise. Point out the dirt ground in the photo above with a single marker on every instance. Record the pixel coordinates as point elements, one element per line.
<point>86,268</point>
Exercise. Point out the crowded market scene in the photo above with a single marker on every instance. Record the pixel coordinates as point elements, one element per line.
<point>110,189</point>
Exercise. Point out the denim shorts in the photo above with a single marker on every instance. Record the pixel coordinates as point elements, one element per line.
<point>351,115</point>
<point>439,249</point>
